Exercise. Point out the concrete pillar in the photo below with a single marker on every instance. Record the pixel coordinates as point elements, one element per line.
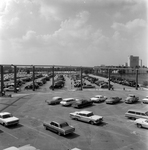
<point>109,79</point>
<point>136,79</point>
<point>33,77</point>
<point>53,78</point>
<point>81,79</point>
<point>2,79</point>
<point>15,79</point>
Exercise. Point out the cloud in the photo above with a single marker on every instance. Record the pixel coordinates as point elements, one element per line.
<point>130,26</point>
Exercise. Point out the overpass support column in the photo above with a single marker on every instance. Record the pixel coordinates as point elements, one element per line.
<point>109,79</point>
<point>136,79</point>
<point>81,79</point>
<point>53,78</point>
<point>15,79</point>
<point>2,79</point>
<point>33,77</point>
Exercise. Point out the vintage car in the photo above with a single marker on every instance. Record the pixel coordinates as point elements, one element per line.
<point>98,98</point>
<point>79,103</point>
<point>113,100</point>
<point>67,101</point>
<point>7,119</point>
<point>55,100</point>
<point>88,86</point>
<point>141,122</point>
<point>131,99</point>
<point>86,116</point>
<point>11,89</point>
<point>145,100</point>
<point>59,126</point>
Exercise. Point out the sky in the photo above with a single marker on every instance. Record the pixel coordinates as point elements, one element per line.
<point>73,32</point>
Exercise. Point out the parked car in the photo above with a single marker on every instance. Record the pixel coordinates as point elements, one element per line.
<point>79,103</point>
<point>104,86</point>
<point>113,100</point>
<point>98,98</point>
<point>145,100</point>
<point>7,119</point>
<point>56,86</point>
<point>60,127</point>
<point>131,99</point>
<point>141,122</point>
<point>86,116</point>
<point>88,86</point>
<point>67,101</point>
<point>55,100</point>
<point>11,89</point>
<point>137,113</point>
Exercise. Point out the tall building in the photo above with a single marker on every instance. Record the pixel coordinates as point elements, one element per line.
<point>133,61</point>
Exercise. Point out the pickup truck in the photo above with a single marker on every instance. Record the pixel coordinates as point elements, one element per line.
<point>60,127</point>
<point>131,99</point>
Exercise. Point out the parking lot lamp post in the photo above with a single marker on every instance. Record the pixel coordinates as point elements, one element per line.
<point>15,79</point>
<point>81,79</point>
<point>136,79</point>
<point>33,77</point>
<point>2,79</point>
<point>109,79</point>
<point>53,78</point>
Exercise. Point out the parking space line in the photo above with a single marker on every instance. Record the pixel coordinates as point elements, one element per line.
<point>11,134</point>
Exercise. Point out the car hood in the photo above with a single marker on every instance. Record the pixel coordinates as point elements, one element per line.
<point>11,119</point>
<point>95,117</point>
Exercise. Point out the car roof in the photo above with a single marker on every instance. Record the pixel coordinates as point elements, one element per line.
<point>4,113</point>
<point>65,99</point>
<point>138,110</point>
<point>56,97</point>
<point>98,95</point>
<point>84,111</point>
<point>57,120</point>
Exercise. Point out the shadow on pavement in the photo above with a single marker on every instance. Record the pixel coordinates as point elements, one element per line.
<point>15,126</point>
<point>72,136</point>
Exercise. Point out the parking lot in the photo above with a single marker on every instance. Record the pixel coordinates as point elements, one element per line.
<point>115,133</point>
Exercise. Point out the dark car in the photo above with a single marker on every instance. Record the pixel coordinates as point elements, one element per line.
<point>60,127</point>
<point>55,100</point>
<point>79,103</point>
<point>88,86</point>
<point>113,100</point>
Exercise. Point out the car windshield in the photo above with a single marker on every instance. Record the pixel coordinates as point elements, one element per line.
<point>65,124</point>
<point>90,114</point>
<point>6,116</point>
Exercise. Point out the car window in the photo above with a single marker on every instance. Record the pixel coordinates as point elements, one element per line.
<point>132,112</point>
<point>90,114</point>
<point>142,114</point>
<point>6,116</point>
<point>65,124</point>
<point>55,124</point>
<point>138,113</point>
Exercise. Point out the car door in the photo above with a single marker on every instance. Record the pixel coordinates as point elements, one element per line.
<point>52,126</point>
<point>83,118</point>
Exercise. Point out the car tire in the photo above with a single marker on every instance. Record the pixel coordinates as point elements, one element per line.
<point>139,125</point>
<point>91,122</point>
<point>59,133</point>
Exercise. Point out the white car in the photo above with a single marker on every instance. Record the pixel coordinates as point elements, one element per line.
<point>67,101</point>
<point>145,100</point>
<point>141,122</point>
<point>86,116</point>
<point>8,119</point>
<point>98,98</point>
